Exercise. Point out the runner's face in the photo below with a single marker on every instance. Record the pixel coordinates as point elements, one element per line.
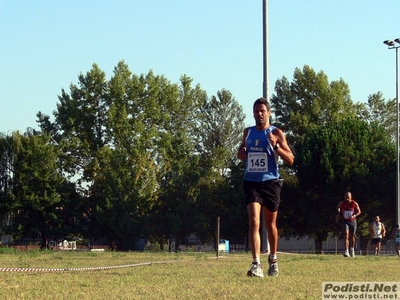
<point>348,197</point>
<point>261,114</point>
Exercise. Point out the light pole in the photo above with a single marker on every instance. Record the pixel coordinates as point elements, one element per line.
<point>264,239</point>
<point>392,45</point>
<point>265,50</point>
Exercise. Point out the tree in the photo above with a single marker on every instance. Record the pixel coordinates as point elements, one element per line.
<point>180,165</point>
<point>221,131</point>
<point>144,126</point>
<point>381,111</point>
<point>37,180</point>
<point>310,101</point>
<point>307,103</point>
<point>125,192</point>
<point>6,181</point>
<point>347,155</point>
<point>304,106</point>
<point>222,125</point>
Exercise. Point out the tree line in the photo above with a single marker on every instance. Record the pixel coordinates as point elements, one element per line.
<point>137,156</point>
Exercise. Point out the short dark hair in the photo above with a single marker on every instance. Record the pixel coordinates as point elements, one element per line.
<point>262,101</point>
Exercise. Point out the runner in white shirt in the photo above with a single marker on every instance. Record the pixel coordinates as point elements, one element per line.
<point>378,232</point>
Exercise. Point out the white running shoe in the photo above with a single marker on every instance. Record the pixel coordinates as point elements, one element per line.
<point>255,270</point>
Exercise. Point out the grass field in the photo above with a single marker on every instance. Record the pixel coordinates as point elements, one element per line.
<point>179,276</point>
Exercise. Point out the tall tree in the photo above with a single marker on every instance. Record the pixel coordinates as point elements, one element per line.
<point>38,178</point>
<point>348,155</point>
<point>79,125</point>
<point>180,165</point>
<point>222,129</point>
<point>144,126</point>
<point>222,126</point>
<point>310,101</point>
<point>307,103</point>
<point>6,182</point>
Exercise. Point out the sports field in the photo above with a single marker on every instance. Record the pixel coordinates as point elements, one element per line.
<point>132,275</point>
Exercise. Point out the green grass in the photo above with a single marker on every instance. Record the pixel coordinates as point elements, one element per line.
<point>181,276</point>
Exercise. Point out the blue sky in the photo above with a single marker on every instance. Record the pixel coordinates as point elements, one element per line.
<point>46,44</point>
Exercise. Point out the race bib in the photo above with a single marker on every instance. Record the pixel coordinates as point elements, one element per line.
<point>347,214</point>
<point>257,162</point>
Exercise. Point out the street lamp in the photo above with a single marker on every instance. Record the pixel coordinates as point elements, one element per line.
<point>392,45</point>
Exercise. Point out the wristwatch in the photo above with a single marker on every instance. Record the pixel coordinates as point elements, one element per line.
<point>276,147</point>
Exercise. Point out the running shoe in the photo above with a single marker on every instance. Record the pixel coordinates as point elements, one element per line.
<point>352,253</point>
<point>273,268</point>
<point>346,254</point>
<point>255,270</point>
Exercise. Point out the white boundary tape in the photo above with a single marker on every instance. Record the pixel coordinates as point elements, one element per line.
<point>43,270</point>
<point>71,269</point>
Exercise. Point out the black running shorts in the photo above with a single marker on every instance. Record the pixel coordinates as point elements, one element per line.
<point>267,193</point>
<point>376,241</point>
